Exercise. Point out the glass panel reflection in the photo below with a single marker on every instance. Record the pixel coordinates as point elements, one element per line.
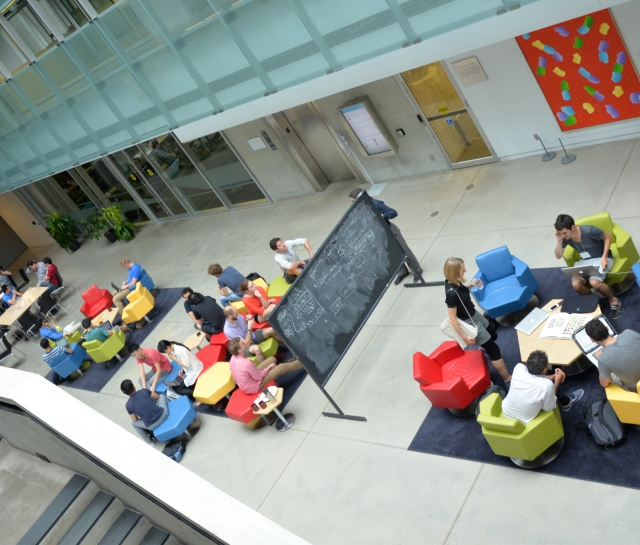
<point>29,27</point>
<point>224,171</point>
<point>77,195</point>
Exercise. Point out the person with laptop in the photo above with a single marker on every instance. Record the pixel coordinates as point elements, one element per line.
<point>593,244</point>
<point>533,390</point>
<point>93,333</point>
<point>619,357</point>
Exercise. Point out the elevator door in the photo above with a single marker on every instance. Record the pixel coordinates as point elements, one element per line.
<point>315,136</point>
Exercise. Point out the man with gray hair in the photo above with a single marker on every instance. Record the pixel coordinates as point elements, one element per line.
<point>533,390</point>
<point>387,214</point>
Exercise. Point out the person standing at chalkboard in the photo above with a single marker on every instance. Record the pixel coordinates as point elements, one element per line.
<point>388,214</point>
<point>286,257</point>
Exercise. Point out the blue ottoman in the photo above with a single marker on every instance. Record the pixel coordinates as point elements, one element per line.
<point>161,387</point>
<point>181,414</point>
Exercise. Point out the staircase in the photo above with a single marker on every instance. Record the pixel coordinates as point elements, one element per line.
<point>83,514</point>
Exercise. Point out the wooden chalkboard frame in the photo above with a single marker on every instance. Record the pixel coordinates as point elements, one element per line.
<point>394,266</point>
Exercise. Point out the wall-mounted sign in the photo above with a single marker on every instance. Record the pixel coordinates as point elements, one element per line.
<point>365,126</point>
<point>256,143</point>
<point>469,71</point>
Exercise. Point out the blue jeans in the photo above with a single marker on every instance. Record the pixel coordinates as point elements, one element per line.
<point>226,299</point>
<point>50,287</point>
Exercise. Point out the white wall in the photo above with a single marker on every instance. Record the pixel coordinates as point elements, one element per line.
<point>511,108</point>
<point>22,221</point>
<point>71,429</point>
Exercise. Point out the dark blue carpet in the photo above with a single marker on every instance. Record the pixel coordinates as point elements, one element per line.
<point>98,374</point>
<point>443,434</point>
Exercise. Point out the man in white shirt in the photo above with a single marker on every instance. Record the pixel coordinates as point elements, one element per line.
<point>286,257</point>
<point>532,390</point>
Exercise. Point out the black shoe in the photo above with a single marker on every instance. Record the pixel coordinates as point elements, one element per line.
<point>417,277</point>
<point>401,276</point>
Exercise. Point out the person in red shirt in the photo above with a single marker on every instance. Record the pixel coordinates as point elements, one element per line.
<point>51,275</point>
<point>256,301</point>
<point>159,363</point>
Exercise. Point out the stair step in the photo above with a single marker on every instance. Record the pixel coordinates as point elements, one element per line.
<point>56,509</point>
<point>70,515</point>
<point>172,541</point>
<point>121,528</point>
<point>104,523</point>
<point>83,524</point>
<point>155,536</point>
<point>138,532</point>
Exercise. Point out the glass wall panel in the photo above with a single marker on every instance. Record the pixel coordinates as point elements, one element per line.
<point>65,14</point>
<point>84,205</point>
<point>101,5</point>
<point>29,27</point>
<point>112,191</point>
<point>181,174</point>
<point>224,171</point>
<point>10,54</point>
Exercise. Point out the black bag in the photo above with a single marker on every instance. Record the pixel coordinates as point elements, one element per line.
<point>605,427</point>
<point>175,450</point>
<point>493,389</point>
<point>254,276</point>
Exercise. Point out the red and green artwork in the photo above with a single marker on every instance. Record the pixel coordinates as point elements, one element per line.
<point>584,71</point>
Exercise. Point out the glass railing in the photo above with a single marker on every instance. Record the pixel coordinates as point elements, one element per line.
<point>144,67</point>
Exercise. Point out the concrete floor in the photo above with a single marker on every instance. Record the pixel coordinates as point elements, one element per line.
<point>340,482</point>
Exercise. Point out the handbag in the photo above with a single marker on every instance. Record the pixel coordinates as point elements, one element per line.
<point>469,330</point>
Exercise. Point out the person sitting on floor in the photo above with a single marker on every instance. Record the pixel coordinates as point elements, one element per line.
<point>593,244</point>
<point>229,280</point>
<point>191,367</point>
<point>286,257</point>
<point>10,294</point>
<point>252,379</point>
<point>256,301</point>
<point>532,390</point>
<point>235,326</point>
<point>146,408</point>
<point>619,358</point>
<point>58,337</point>
<point>160,365</point>
<point>93,333</point>
<point>208,314</point>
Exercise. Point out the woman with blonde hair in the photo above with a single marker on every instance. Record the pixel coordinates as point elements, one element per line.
<point>459,305</point>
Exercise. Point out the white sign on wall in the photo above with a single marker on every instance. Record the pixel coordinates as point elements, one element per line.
<point>469,71</point>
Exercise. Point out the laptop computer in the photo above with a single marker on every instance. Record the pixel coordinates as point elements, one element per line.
<point>105,325</point>
<point>580,303</point>
<point>584,342</point>
<point>532,320</point>
<point>583,271</point>
<point>117,288</point>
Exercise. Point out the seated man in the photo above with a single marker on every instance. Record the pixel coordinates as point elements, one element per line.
<point>229,280</point>
<point>41,271</point>
<point>51,353</point>
<point>92,333</point>
<point>135,271</point>
<point>532,390</point>
<point>287,258</point>
<point>6,277</point>
<point>236,327</point>
<point>186,292</point>
<point>10,294</point>
<point>159,363</point>
<point>58,337</point>
<point>51,277</point>
<point>593,246</point>
<point>147,410</point>
<point>619,359</point>
<point>253,379</point>
<point>208,315</point>
<point>255,299</point>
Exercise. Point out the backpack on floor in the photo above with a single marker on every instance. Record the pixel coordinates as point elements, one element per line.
<point>175,450</point>
<point>603,423</point>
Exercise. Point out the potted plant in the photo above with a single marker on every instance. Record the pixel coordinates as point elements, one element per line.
<point>95,226</point>
<point>123,229</point>
<point>64,230</point>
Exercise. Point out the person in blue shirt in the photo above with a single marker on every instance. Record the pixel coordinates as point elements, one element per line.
<point>389,213</point>
<point>10,294</point>
<point>135,272</point>
<point>229,280</point>
<point>58,337</point>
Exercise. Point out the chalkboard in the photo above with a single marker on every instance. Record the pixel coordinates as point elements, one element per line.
<point>327,305</point>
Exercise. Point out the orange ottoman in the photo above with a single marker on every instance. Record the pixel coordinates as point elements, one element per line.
<point>221,339</point>
<point>239,408</point>
<point>210,355</point>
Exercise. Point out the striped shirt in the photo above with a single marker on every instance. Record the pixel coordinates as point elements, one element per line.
<point>53,354</point>
<point>41,271</point>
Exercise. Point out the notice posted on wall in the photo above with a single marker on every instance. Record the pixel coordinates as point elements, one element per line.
<point>469,71</point>
<point>365,128</point>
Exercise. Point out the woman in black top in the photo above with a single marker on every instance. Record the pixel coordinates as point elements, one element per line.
<point>460,305</point>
